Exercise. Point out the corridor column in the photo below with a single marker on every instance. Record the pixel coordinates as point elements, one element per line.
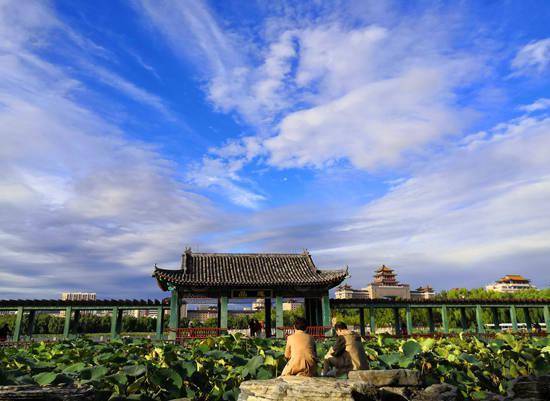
<point>267,323</point>
<point>479,319</point>
<point>279,321</point>
<point>372,318</point>
<point>223,312</point>
<point>514,318</point>
<point>174,321</point>
<point>431,324</point>
<point>19,324</point>
<point>496,319</point>
<point>546,312</point>
<point>408,316</point>
<point>444,319</point>
<point>67,326</point>
<point>160,322</point>
<point>325,306</point>
<point>362,322</point>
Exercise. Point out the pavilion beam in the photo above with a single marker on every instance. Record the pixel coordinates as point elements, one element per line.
<point>396,321</point>
<point>267,323</point>
<point>431,324</point>
<point>496,319</point>
<point>174,321</point>
<point>67,325</point>
<point>463,319</point>
<point>527,316</point>
<point>30,328</point>
<point>362,322</point>
<point>444,319</point>
<point>479,319</point>
<point>546,311</point>
<point>19,324</point>
<point>372,318</point>
<point>408,316</point>
<point>279,321</point>
<point>160,322</point>
<point>514,318</point>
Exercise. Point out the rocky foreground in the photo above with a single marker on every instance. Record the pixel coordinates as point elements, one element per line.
<point>379,385</point>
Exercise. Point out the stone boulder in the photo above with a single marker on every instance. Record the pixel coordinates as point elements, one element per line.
<point>390,377</point>
<point>530,388</point>
<point>438,392</point>
<point>297,388</point>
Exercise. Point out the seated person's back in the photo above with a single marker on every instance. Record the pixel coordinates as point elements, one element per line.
<point>347,353</point>
<point>300,352</point>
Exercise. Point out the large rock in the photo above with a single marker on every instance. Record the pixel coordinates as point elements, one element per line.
<point>438,392</point>
<point>390,377</point>
<point>296,388</point>
<point>530,388</point>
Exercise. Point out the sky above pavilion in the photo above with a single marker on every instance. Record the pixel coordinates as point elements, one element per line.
<point>411,134</point>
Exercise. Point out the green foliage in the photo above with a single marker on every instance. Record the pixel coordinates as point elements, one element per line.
<point>213,368</point>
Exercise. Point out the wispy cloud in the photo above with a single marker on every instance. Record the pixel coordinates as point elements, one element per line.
<point>533,58</point>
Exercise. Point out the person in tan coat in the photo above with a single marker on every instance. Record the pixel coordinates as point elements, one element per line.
<point>346,354</point>
<point>301,352</point>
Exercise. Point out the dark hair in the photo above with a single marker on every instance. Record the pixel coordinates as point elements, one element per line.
<point>340,326</point>
<point>300,323</point>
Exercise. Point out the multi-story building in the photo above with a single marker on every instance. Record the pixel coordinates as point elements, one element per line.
<point>426,292</point>
<point>510,283</point>
<point>258,304</point>
<point>385,285</point>
<point>292,305</point>
<point>78,296</point>
<point>347,292</point>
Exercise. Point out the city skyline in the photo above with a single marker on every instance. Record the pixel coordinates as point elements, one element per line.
<point>410,134</point>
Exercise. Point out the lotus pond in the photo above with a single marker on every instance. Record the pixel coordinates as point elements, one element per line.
<point>212,369</point>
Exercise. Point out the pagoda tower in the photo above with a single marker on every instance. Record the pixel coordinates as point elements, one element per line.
<point>385,276</point>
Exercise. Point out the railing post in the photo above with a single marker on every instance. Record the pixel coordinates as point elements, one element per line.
<point>372,319</point>
<point>116,322</point>
<point>527,319</point>
<point>67,325</point>
<point>514,318</point>
<point>362,322</point>
<point>408,316</point>
<point>546,312</point>
<point>444,319</point>
<point>174,321</point>
<point>463,319</point>
<point>224,305</point>
<point>479,319</point>
<point>279,321</point>
<point>160,322</point>
<point>19,324</point>
<point>496,319</point>
<point>32,316</point>
<point>431,324</point>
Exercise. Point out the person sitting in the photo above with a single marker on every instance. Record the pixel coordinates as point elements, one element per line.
<point>300,352</point>
<point>346,354</point>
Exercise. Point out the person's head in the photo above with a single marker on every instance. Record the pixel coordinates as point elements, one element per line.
<point>340,327</point>
<point>300,323</point>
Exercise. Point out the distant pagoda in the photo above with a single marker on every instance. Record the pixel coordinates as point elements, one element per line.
<point>385,276</point>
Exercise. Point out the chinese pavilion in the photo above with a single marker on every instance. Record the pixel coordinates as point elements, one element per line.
<point>385,276</point>
<point>264,275</point>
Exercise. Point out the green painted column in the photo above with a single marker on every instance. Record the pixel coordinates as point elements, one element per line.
<point>372,318</point>
<point>174,321</point>
<point>160,322</point>
<point>116,322</point>
<point>325,306</point>
<point>514,318</point>
<point>444,319</point>
<point>396,321</point>
<point>463,319</point>
<point>546,311</point>
<point>30,328</point>
<point>76,322</point>
<point>527,319</point>
<point>431,324</point>
<point>408,317</point>
<point>279,322</point>
<point>223,312</point>
<point>67,325</point>
<point>362,322</point>
<point>18,324</point>
<point>479,319</point>
<point>496,319</point>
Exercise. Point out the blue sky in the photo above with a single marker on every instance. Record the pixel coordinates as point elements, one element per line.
<point>411,134</point>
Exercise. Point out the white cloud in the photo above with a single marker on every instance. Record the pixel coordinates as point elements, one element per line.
<point>82,205</point>
<point>532,58</point>
<point>538,105</point>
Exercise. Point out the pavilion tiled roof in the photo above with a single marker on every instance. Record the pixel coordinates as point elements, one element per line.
<point>240,270</point>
